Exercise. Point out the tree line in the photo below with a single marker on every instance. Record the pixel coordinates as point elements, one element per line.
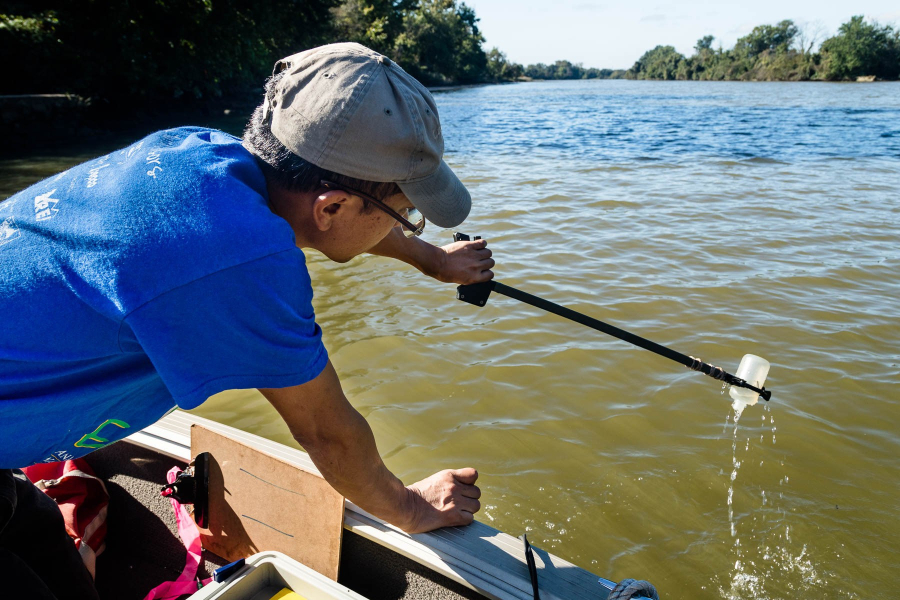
<point>157,51</point>
<point>782,52</point>
<point>500,69</point>
<point>151,52</point>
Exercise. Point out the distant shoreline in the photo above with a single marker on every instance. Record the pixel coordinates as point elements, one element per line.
<point>33,121</point>
<point>450,88</point>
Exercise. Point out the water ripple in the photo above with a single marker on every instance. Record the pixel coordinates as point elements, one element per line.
<point>717,218</point>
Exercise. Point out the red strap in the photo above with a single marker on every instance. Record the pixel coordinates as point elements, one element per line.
<point>190,536</point>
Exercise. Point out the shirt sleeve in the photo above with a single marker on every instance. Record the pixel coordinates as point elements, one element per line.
<point>248,326</point>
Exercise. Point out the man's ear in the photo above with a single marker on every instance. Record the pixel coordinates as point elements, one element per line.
<point>329,206</point>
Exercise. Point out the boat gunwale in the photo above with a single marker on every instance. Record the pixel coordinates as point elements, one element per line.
<point>476,556</point>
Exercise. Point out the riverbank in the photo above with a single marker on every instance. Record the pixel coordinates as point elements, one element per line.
<point>33,122</point>
<point>30,123</point>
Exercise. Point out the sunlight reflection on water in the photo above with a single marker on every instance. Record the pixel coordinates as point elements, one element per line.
<point>718,219</point>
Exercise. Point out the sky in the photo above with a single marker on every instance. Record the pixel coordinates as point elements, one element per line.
<point>614,34</point>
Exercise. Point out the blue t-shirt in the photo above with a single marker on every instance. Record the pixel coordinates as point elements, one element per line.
<point>154,276</point>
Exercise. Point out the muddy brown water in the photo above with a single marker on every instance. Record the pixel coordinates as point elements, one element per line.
<point>719,219</point>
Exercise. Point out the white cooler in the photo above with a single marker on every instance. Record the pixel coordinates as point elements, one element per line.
<point>267,573</point>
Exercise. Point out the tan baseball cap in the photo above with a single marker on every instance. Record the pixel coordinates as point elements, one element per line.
<point>350,110</point>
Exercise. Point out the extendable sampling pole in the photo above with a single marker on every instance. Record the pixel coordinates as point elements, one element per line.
<point>478,294</point>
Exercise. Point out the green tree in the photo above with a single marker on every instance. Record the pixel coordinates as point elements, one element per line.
<point>661,62</point>
<point>704,44</point>
<point>441,43</point>
<point>779,52</point>
<point>696,66</point>
<point>500,69</point>
<point>159,51</point>
<point>771,38</point>
<point>563,69</point>
<point>537,71</point>
<point>862,48</point>
<point>30,41</point>
<point>372,23</point>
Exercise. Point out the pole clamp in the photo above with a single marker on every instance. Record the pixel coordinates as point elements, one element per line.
<point>192,487</point>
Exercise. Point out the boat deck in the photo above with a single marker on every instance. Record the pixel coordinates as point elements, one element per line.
<point>142,548</point>
<point>378,561</point>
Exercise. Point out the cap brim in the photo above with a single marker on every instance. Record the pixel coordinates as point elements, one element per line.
<point>441,197</point>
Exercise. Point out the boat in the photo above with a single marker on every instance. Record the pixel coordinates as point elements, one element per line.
<point>377,560</point>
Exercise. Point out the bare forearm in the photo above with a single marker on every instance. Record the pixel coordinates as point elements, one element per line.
<point>413,251</point>
<point>459,262</point>
<point>342,446</point>
<point>351,465</point>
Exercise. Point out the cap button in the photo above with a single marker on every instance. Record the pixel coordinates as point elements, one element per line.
<point>384,60</point>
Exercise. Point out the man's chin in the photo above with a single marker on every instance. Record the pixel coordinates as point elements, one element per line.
<point>343,255</point>
<point>340,259</point>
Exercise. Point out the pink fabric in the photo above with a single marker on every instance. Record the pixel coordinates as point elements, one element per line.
<point>82,500</point>
<point>190,535</point>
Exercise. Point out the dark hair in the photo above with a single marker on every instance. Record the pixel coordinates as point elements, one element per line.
<point>294,173</point>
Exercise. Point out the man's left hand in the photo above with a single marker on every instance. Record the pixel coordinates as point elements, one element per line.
<point>465,263</point>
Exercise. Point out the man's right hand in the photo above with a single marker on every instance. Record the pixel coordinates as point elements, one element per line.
<point>448,498</point>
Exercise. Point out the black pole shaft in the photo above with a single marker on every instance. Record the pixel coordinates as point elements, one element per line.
<point>593,323</point>
<point>572,315</point>
<point>478,293</point>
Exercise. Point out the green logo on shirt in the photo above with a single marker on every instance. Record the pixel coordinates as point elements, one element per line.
<point>93,440</point>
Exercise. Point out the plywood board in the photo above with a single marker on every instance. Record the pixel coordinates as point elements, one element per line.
<point>258,502</point>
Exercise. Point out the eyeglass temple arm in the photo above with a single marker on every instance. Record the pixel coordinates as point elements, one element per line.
<point>478,294</point>
<point>393,213</point>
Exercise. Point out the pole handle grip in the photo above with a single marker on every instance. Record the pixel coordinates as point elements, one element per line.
<point>461,237</point>
<point>475,293</point>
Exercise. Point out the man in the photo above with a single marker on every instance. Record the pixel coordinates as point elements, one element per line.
<point>171,270</point>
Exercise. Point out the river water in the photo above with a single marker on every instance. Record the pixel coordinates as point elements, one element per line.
<point>717,218</point>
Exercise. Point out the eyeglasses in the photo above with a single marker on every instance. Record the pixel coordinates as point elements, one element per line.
<point>410,218</point>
